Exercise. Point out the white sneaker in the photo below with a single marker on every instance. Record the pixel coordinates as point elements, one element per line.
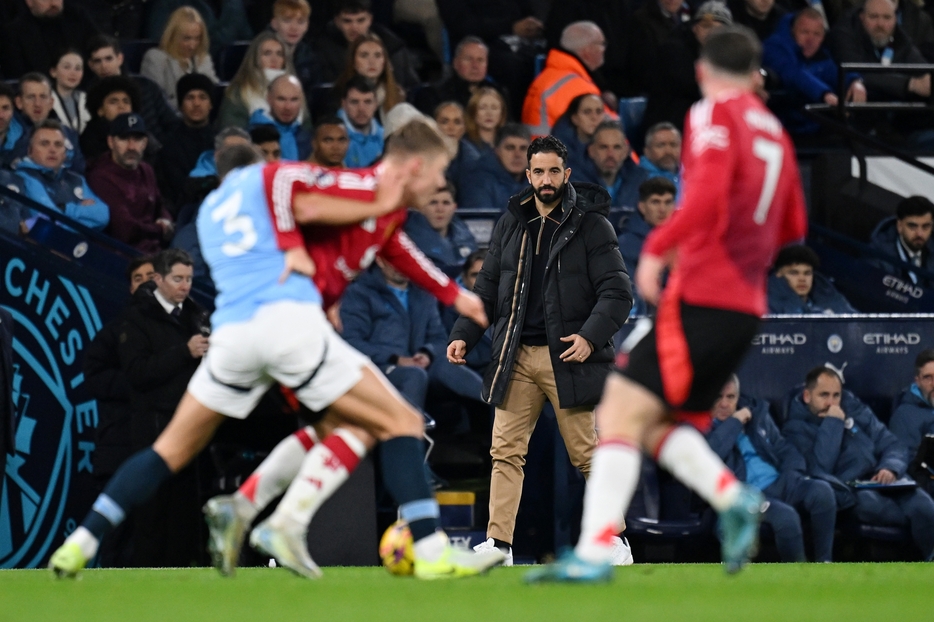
<point>287,546</point>
<point>487,545</point>
<point>622,553</point>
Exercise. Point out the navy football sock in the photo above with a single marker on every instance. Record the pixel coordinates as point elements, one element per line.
<point>134,483</point>
<point>404,476</point>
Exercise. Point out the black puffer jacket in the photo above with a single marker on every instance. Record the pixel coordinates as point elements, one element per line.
<point>155,358</point>
<point>586,291</point>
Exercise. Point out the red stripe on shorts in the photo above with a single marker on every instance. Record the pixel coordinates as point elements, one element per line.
<point>674,360</point>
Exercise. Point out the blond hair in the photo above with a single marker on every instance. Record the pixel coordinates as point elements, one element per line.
<point>250,79</point>
<point>416,138</point>
<point>169,43</point>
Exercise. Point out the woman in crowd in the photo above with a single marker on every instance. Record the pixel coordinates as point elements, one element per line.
<point>183,49</point>
<point>265,60</point>
<point>576,126</point>
<point>368,57</point>
<point>68,99</point>
<point>450,119</point>
<point>486,113</point>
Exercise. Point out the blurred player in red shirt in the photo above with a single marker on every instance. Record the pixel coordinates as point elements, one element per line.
<point>742,201</point>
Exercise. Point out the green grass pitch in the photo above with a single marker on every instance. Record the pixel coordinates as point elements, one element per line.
<point>650,593</point>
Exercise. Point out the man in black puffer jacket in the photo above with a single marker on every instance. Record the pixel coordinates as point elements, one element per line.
<point>556,291</point>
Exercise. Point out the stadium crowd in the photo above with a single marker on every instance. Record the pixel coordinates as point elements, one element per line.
<point>112,113</point>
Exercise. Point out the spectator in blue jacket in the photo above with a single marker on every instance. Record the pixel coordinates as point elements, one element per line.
<point>494,177</point>
<point>479,357</point>
<point>14,214</point>
<point>576,126</point>
<point>610,164</point>
<point>439,233</point>
<point>797,288</point>
<point>662,154</point>
<point>746,438</point>
<point>286,107</point>
<point>907,237</point>
<point>843,441</point>
<point>9,131</point>
<point>808,73</point>
<point>34,105</point>
<point>47,180</point>
<point>398,326</point>
<point>656,204</point>
<point>358,112</point>
<point>913,416</point>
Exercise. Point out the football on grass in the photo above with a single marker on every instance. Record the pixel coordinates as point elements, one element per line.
<point>395,549</point>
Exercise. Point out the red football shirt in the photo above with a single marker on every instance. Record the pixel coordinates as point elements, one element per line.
<point>741,202</point>
<point>341,253</point>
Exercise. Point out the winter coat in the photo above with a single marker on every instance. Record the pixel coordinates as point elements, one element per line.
<point>155,358</point>
<point>74,158</point>
<point>63,190</point>
<point>842,451</point>
<point>673,86</point>
<point>178,157</point>
<point>377,324</point>
<point>625,190</point>
<point>912,418</point>
<point>161,119</point>
<point>294,140</point>
<point>486,183</point>
<point>565,131</point>
<point>134,201</point>
<point>453,88</point>
<point>30,43</point>
<point>653,171</point>
<point>12,212</point>
<point>804,80</point>
<point>633,231</point>
<point>764,436</point>
<point>586,291</point>
<point>849,43</point>
<point>650,28</point>
<point>448,253</point>
<point>83,116</point>
<point>884,238</point>
<point>824,298</point>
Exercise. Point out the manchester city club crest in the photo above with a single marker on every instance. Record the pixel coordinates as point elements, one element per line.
<point>55,319</point>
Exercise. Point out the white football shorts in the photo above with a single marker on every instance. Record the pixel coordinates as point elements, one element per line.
<point>287,342</point>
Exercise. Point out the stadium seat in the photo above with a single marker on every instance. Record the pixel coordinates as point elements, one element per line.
<point>229,59</point>
<point>133,52</point>
<point>631,112</point>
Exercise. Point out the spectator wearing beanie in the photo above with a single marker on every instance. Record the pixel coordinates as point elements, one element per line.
<point>109,98</point>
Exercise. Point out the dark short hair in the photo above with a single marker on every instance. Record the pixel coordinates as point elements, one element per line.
<point>656,186</point>
<point>352,7</point>
<point>163,262</point>
<point>914,206</point>
<point>49,124</point>
<point>331,119</point>
<point>450,189</point>
<point>548,144</point>
<point>35,77</point>
<point>512,130</point>
<point>796,254</point>
<point>236,156</point>
<point>135,264</point>
<point>99,42</point>
<point>810,380</point>
<point>610,124</point>
<point>112,84</point>
<point>7,91</point>
<point>924,357</point>
<point>733,49</point>
<point>477,255</point>
<point>264,133</point>
<point>358,83</point>
<point>663,126</point>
